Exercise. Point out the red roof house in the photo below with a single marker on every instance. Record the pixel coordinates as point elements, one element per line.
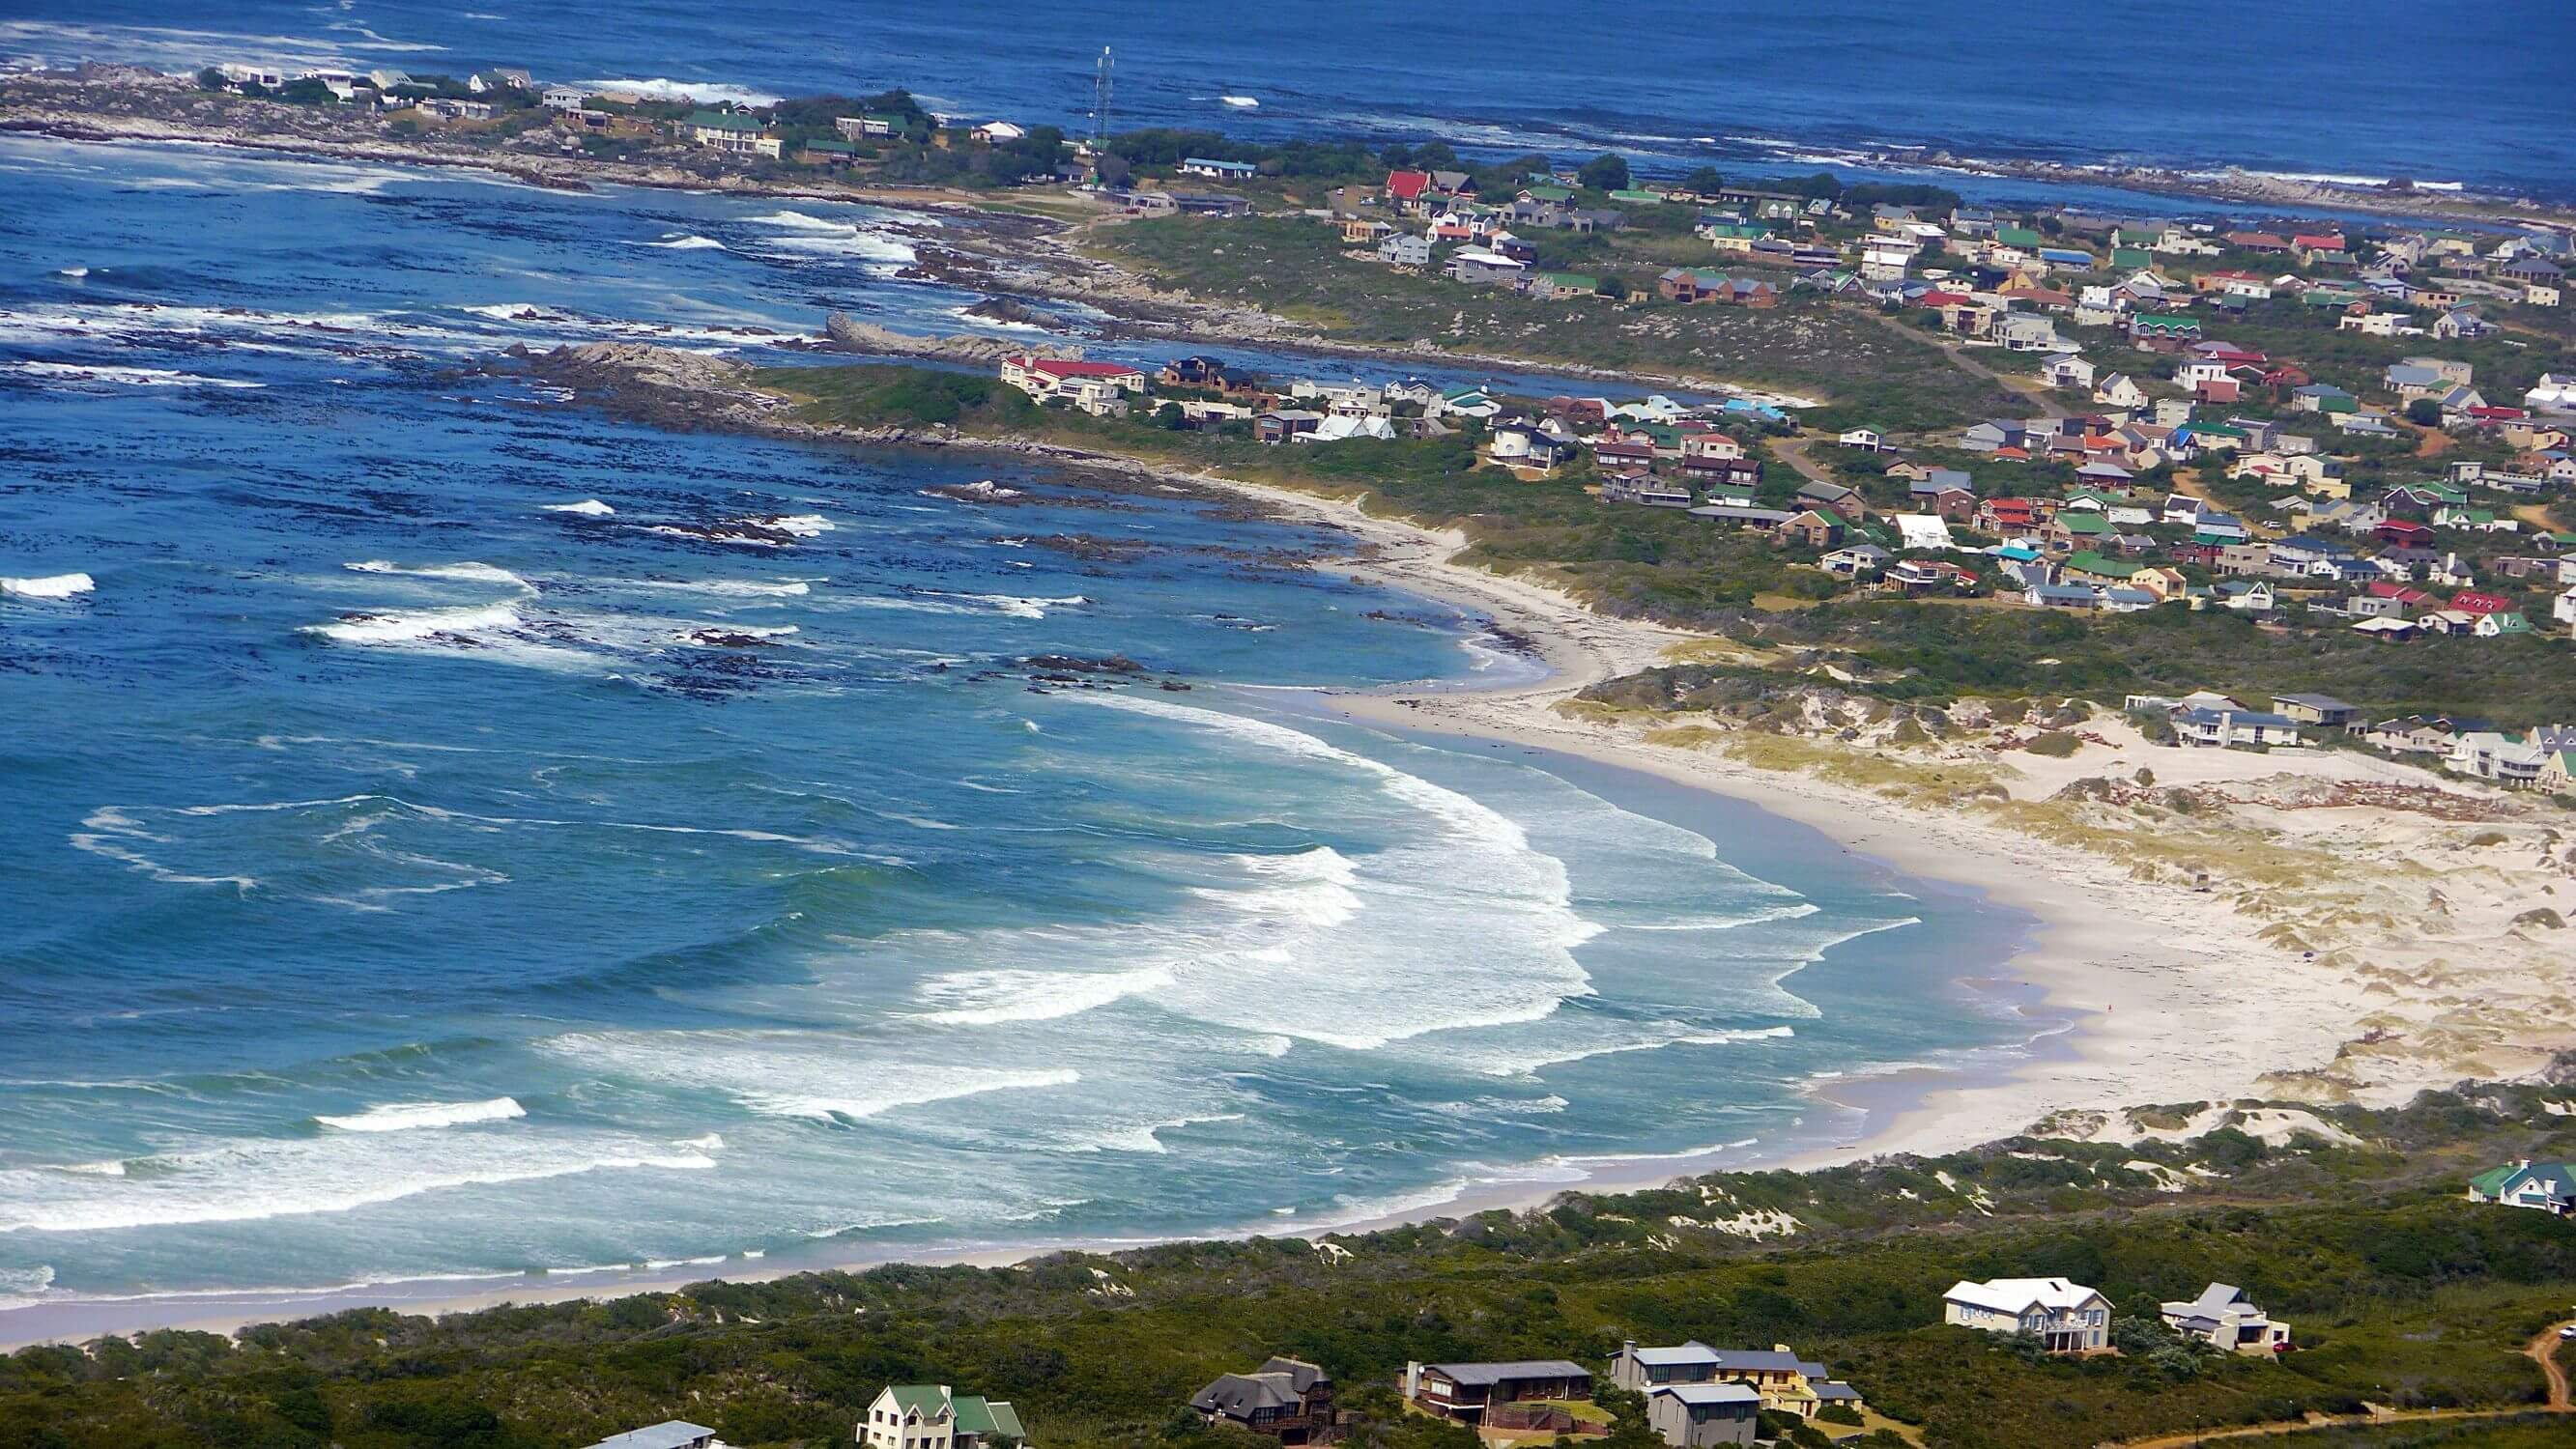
<point>1407,185</point>
<point>2468,602</point>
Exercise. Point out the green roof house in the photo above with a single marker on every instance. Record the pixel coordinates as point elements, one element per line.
<point>2548,1186</point>
<point>1638,198</point>
<point>929,1416</point>
<point>2016,236</point>
<point>733,121</point>
<point>2096,566</point>
<point>2124,258</point>
<point>1550,193</point>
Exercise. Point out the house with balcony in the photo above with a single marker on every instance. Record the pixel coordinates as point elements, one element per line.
<point>2067,1317</point>
<point>1286,1399</point>
<point>1465,1391</point>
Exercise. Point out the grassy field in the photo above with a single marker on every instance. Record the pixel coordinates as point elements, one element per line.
<point>1295,267</point>
<point>2399,1293</point>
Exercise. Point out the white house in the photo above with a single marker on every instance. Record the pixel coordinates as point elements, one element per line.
<point>1868,438</point>
<point>2547,1186</point>
<point>2067,370</point>
<point>2068,1317</point>
<point>1098,388</point>
<point>2225,1319</point>
<point>929,1416</point>
<point>2501,758</point>
<point>669,1434</point>
<point>2119,390</point>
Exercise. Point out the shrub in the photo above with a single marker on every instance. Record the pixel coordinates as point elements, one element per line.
<point>2056,744</point>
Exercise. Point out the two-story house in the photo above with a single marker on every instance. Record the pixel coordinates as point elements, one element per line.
<point>2068,1317</point>
<point>1288,1399</point>
<point>929,1416</point>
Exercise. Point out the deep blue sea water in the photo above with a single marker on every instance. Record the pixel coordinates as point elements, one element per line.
<point>2369,88</point>
<point>455,835</point>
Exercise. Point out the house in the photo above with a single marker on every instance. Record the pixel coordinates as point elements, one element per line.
<point>447,109</point>
<point>2220,728</point>
<point>2500,758</point>
<point>1925,531</point>
<point>1834,498</point>
<point>929,1416</point>
<point>2548,1186</point>
<point>566,98</point>
<point>1098,388</point>
<point>1405,249</point>
<point>1859,561</point>
<point>1464,1391</point>
<point>2225,1319</point>
<point>1285,425</point>
<point>1287,1399</point>
<point>2119,390</point>
<point>2067,1317</point>
<point>729,131</point>
<point>669,1434</point>
<point>1484,267</point>
<point>2067,369</point>
<point>2060,596</point>
<point>1811,529</point>
<point>2314,709</point>
<point>1866,438</point>
<point>1694,1416</point>
<point>1782,1382</point>
<point>1214,169</point>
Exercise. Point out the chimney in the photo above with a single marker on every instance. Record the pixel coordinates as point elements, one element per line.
<point>1412,1379</point>
<point>1628,1348</point>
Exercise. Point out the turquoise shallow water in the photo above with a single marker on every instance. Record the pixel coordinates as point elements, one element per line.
<point>456,836</point>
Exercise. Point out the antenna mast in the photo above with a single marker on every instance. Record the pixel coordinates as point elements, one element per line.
<point>1101,86</point>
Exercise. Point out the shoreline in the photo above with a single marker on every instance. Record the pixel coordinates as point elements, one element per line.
<point>1923,1110</point>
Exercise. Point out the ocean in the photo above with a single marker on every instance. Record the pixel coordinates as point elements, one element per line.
<point>2367,89</point>
<point>455,837</point>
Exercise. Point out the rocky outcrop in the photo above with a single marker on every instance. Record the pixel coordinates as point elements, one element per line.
<point>867,337</point>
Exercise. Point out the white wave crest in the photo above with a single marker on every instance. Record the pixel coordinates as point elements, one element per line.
<point>413,628</point>
<point>476,573</point>
<point>687,244</point>
<point>794,1074</point>
<point>412,1116</point>
<point>126,376</point>
<point>49,586</point>
<point>250,1179</point>
<point>587,508</point>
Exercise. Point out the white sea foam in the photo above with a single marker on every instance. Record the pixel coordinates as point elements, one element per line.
<point>991,997</point>
<point>1142,1136</point>
<point>48,586</point>
<point>413,1116</point>
<point>667,89</point>
<point>802,525</point>
<point>1665,1034</point>
<point>477,573</point>
<point>729,588</point>
<point>690,243</point>
<point>75,273</point>
<point>794,1074</point>
<point>1244,103</point>
<point>587,508</point>
<point>1351,951</point>
<point>72,372</point>
<point>412,628</point>
<point>250,1179</point>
